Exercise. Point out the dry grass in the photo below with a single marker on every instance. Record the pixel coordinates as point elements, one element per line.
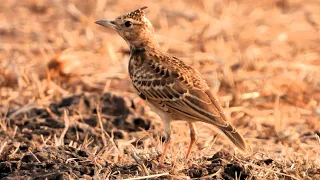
<point>261,57</point>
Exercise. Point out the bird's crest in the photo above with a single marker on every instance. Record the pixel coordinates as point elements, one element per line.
<point>136,15</point>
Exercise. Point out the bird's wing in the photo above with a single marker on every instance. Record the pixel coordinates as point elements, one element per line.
<point>174,87</point>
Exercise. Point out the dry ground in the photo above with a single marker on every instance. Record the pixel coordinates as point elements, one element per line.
<point>68,110</point>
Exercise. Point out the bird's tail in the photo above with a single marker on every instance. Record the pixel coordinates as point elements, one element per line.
<point>234,137</point>
<point>222,124</point>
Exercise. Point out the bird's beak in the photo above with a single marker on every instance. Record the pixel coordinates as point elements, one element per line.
<point>107,23</point>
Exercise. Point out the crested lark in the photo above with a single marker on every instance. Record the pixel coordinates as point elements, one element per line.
<point>173,89</point>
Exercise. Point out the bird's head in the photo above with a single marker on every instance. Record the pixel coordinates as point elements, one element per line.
<point>133,27</point>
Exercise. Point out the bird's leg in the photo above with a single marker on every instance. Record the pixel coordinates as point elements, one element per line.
<point>193,137</point>
<point>167,129</point>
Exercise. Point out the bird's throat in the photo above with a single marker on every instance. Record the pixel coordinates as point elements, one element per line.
<point>140,45</point>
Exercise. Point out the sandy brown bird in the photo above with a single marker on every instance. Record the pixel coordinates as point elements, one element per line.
<point>174,90</point>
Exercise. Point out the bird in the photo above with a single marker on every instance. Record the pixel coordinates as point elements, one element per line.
<point>172,89</point>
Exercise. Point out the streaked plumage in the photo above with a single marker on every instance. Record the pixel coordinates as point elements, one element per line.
<point>173,89</point>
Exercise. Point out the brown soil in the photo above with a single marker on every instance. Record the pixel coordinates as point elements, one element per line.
<point>31,153</point>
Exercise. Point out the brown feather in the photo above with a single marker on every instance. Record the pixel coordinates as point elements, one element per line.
<point>181,90</point>
<point>174,89</point>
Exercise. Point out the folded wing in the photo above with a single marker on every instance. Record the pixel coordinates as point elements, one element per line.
<point>180,90</point>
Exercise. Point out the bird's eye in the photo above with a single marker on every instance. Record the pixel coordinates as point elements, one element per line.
<point>128,23</point>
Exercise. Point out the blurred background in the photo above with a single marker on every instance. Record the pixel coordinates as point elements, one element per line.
<point>261,57</point>
<point>269,47</point>
<point>252,53</point>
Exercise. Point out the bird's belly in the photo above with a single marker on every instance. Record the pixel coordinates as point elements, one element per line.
<point>167,116</point>
<point>163,115</point>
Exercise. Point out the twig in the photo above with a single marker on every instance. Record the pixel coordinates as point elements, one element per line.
<point>3,146</point>
<point>259,77</point>
<point>150,176</point>
<point>44,141</point>
<point>58,88</point>
<point>60,141</point>
<point>212,141</point>
<point>24,109</point>
<point>15,131</point>
<point>35,156</point>
<point>138,160</point>
<point>251,95</point>
<point>104,139</point>
<point>16,150</point>
<point>270,170</point>
<point>76,13</point>
<point>211,175</point>
<point>4,124</point>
